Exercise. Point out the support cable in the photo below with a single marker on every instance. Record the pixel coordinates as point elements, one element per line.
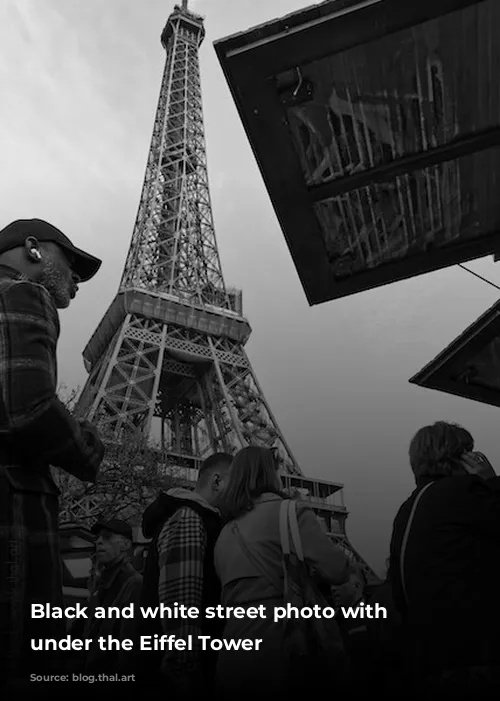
<point>488,282</point>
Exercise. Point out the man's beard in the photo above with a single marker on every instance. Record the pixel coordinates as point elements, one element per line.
<point>111,562</point>
<point>56,283</point>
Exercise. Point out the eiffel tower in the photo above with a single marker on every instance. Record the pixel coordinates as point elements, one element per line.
<point>168,359</point>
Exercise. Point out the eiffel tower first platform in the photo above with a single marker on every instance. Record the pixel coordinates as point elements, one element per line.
<point>168,359</point>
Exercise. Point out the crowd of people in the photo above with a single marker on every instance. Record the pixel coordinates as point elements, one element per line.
<point>236,540</point>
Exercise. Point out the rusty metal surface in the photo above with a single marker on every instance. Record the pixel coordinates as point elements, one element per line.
<point>408,92</point>
<point>382,156</point>
<point>415,214</point>
<point>411,92</point>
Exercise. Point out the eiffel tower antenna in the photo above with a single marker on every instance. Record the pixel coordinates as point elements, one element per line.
<point>184,4</point>
<point>168,359</point>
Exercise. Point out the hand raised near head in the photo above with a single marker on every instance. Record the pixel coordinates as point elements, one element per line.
<point>478,464</point>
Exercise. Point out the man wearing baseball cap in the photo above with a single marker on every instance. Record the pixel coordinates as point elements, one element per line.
<point>117,584</point>
<point>40,270</point>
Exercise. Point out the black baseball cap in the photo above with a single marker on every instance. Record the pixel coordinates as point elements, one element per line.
<point>114,525</point>
<point>15,234</point>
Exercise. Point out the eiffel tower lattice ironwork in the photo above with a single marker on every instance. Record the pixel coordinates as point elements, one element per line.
<point>168,359</point>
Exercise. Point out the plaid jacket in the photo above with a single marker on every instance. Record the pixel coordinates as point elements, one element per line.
<point>36,429</point>
<point>181,548</point>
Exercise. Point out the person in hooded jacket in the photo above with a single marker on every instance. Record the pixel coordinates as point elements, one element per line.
<point>184,526</point>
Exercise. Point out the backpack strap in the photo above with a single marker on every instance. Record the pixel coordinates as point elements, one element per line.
<point>284,527</point>
<point>406,535</point>
<point>294,528</point>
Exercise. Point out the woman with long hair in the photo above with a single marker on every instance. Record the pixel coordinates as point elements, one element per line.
<point>248,560</point>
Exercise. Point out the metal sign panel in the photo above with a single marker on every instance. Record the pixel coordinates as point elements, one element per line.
<point>376,127</point>
<point>470,366</point>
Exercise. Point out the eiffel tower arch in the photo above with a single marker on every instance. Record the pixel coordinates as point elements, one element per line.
<point>168,358</point>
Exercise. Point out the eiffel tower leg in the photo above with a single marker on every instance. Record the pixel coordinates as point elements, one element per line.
<point>251,417</point>
<point>227,398</point>
<point>213,430</point>
<point>94,390</point>
<point>218,429</point>
<point>156,382</point>
<point>84,406</point>
<point>126,396</point>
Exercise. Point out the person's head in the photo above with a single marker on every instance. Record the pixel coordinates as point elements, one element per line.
<point>255,471</point>
<point>437,451</point>
<point>113,542</point>
<point>46,256</point>
<point>213,477</point>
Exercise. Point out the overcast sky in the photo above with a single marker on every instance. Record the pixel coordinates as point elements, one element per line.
<point>79,81</point>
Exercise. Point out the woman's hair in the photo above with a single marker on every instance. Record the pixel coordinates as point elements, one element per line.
<point>254,471</point>
<point>435,450</point>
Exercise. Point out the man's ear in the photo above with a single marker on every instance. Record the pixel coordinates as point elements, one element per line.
<point>32,249</point>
